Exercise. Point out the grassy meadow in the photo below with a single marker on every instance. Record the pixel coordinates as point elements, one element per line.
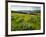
<point>21,22</point>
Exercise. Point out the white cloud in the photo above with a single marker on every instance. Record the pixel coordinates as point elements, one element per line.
<point>17,7</point>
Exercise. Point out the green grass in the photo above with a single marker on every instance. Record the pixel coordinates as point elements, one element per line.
<point>20,22</point>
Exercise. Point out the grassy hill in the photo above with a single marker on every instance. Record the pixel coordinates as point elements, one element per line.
<point>21,21</point>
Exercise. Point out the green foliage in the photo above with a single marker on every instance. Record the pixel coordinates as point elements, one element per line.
<point>24,22</point>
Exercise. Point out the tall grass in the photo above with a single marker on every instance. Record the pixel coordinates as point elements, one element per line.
<point>21,22</point>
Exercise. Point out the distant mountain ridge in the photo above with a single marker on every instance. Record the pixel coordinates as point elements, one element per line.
<point>27,11</point>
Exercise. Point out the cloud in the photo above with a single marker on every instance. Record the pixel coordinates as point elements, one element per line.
<point>17,7</point>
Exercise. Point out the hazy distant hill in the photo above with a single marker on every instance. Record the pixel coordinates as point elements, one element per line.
<point>24,11</point>
<point>27,11</point>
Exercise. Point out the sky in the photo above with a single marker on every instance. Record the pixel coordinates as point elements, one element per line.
<point>31,8</point>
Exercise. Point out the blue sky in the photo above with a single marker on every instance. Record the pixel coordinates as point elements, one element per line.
<point>17,7</point>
